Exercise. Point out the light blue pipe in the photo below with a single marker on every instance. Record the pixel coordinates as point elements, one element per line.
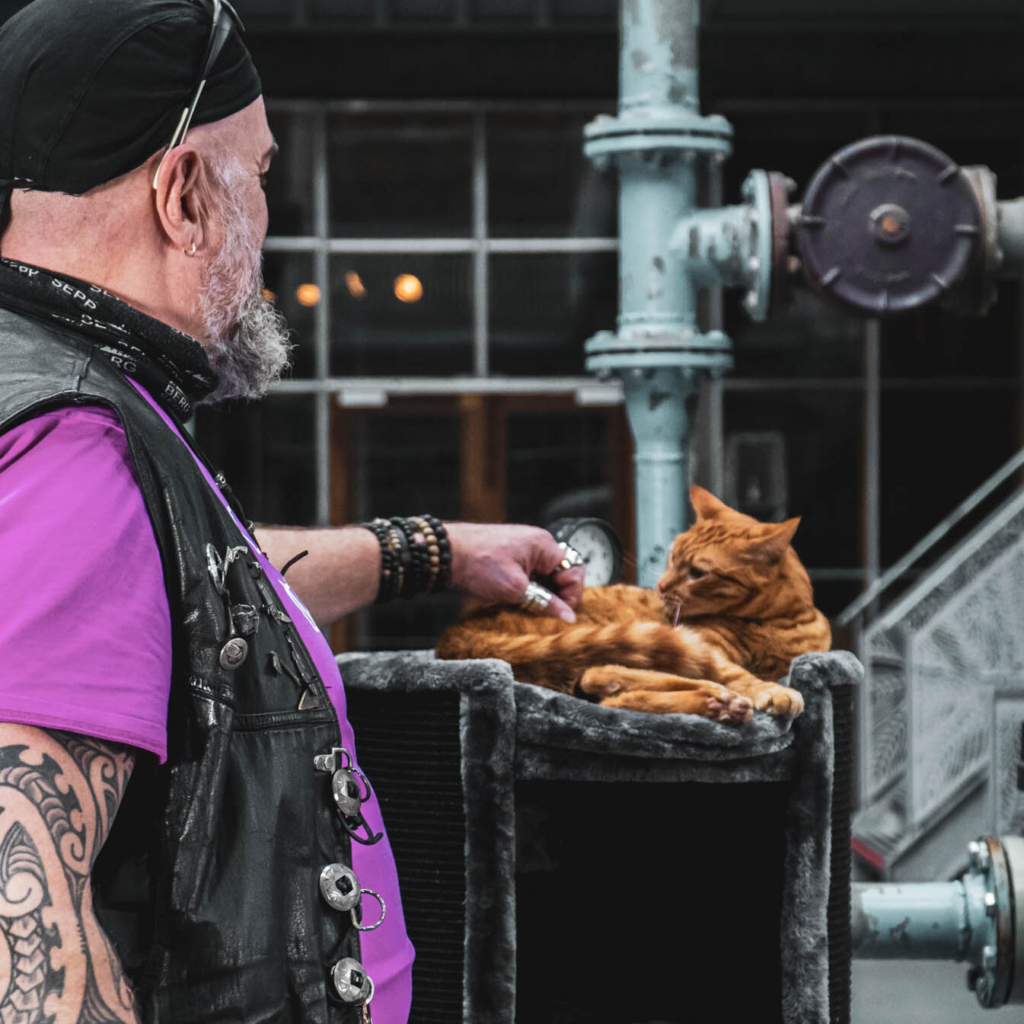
<point>658,351</point>
<point>920,920</point>
<point>1011,237</point>
<point>977,919</point>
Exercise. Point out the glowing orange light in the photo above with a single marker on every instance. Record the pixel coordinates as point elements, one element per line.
<point>268,295</point>
<point>307,295</point>
<point>354,284</point>
<point>408,288</point>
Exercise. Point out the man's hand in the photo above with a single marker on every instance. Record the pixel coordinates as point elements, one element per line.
<point>494,564</point>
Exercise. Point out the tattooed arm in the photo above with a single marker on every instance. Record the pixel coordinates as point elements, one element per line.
<point>59,793</point>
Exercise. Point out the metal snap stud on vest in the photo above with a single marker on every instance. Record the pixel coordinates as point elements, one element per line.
<point>339,886</point>
<point>351,981</point>
<point>234,652</point>
<point>347,794</point>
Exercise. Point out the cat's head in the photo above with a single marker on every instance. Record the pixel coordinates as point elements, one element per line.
<point>727,562</point>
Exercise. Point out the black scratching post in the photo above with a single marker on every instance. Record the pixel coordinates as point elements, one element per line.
<point>564,863</point>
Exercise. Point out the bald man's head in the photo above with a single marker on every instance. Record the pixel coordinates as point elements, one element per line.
<point>183,246</point>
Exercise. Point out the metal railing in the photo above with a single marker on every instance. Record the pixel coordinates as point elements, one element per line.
<point>944,653</point>
<point>930,540</point>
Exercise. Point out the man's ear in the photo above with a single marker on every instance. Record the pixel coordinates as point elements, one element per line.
<point>705,504</point>
<point>770,546</point>
<point>182,195</point>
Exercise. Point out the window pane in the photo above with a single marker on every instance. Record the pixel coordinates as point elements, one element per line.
<point>586,11</point>
<point>821,437</point>
<point>936,344</point>
<point>290,182</point>
<point>405,464</point>
<point>266,452</point>
<point>505,10</point>
<point>423,10</point>
<point>289,279</point>
<point>334,10</point>
<point>539,182</point>
<point>937,447</point>
<point>426,331</point>
<point>399,177</point>
<point>558,466</point>
<point>544,307</point>
<point>263,8</point>
<point>808,339</point>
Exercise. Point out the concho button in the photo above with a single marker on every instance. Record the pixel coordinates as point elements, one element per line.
<point>339,886</point>
<point>346,791</point>
<point>351,981</point>
<point>234,652</point>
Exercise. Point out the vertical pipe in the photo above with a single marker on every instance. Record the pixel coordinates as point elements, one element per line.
<point>322,322</point>
<point>658,417</point>
<point>481,270</point>
<point>657,76</point>
<point>657,72</point>
<point>653,195</point>
<point>716,439</point>
<point>715,391</point>
<point>872,450</point>
<point>659,351</point>
<point>658,60</point>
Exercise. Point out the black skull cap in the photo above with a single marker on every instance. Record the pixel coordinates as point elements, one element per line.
<point>91,89</point>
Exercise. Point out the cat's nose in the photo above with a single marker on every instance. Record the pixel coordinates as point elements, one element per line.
<point>662,584</point>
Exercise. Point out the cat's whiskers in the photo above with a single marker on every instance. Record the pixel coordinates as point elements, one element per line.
<point>675,621</point>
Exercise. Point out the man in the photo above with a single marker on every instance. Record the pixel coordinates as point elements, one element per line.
<point>152,659</point>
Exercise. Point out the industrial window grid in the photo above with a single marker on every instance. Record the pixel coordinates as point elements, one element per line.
<point>372,392</point>
<point>439,14</point>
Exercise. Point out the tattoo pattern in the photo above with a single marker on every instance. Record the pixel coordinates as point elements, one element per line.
<point>59,793</point>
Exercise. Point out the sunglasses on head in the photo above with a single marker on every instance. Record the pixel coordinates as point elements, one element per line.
<point>224,16</point>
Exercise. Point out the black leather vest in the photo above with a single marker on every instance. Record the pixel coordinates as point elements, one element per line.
<point>209,884</point>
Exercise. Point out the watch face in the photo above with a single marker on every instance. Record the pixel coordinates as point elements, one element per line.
<point>593,542</point>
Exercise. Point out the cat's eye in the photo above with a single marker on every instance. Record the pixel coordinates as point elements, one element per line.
<point>695,573</point>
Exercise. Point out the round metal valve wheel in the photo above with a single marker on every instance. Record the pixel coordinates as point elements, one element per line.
<point>888,225</point>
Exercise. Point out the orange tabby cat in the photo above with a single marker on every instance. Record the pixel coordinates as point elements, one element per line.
<point>732,610</point>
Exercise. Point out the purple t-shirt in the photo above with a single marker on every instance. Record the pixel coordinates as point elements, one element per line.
<point>86,645</point>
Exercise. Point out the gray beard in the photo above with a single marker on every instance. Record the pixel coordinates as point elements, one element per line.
<point>246,338</point>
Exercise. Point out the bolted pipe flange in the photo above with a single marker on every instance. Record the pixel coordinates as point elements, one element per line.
<point>648,129</point>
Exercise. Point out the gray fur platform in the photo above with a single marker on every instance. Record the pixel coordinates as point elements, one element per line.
<point>512,731</point>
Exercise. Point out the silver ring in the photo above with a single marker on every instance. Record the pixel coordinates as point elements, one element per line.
<point>535,599</point>
<point>572,557</point>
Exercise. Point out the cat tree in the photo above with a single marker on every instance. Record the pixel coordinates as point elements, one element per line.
<point>564,863</point>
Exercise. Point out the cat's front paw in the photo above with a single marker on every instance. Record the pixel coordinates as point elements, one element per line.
<point>729,707</point>
<point>779,700</point>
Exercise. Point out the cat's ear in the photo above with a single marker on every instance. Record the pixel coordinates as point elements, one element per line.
<point>770,546</point>
<point>705,504</point>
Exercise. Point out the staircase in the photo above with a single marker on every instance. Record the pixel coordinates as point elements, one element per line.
<point>941,636</point>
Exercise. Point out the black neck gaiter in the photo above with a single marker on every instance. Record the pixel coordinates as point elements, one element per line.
<point>170,365</point>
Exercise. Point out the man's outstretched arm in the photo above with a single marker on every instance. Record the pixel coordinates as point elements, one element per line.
<point>59,793</point>
<point>491,563</point>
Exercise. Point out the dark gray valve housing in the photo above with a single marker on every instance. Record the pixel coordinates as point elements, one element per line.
<point>888,225</point>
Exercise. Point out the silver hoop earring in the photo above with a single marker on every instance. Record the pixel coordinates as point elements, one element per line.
<point>190,252</point>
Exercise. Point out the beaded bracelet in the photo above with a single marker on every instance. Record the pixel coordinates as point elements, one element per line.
<point>391,568</point>
<point>415,556</point>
